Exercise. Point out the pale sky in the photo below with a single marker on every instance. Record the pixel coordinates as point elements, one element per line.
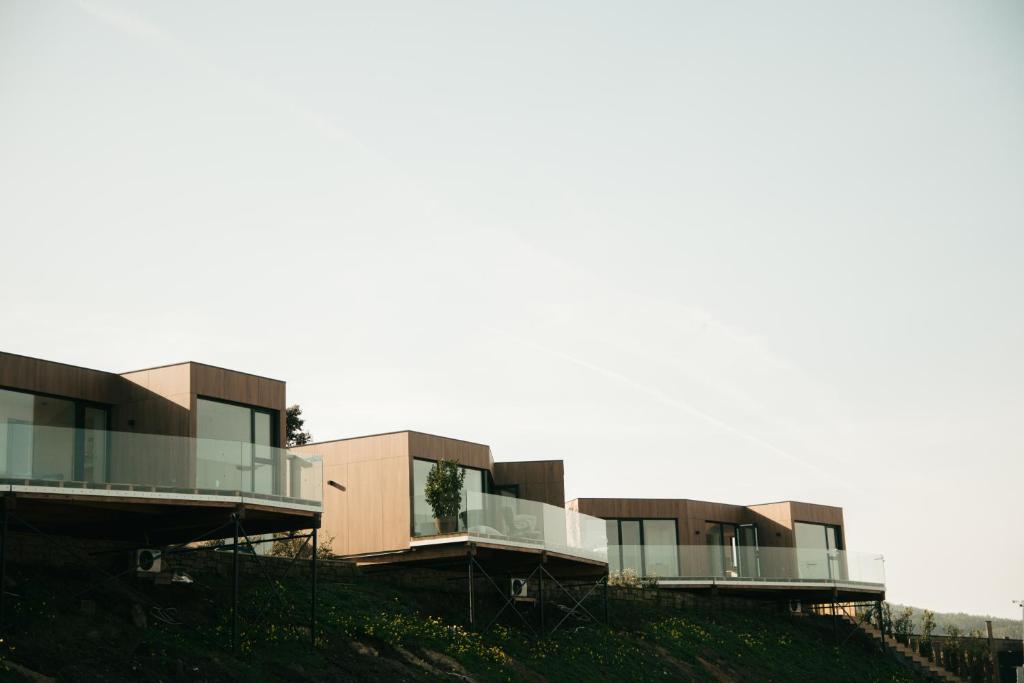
<point>740,252</point>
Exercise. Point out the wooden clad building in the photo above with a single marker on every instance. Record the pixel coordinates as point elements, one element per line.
<point>373,500</point>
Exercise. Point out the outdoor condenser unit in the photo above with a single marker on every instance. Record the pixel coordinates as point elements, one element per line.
<point>147,561</point>
<point>519,588</point>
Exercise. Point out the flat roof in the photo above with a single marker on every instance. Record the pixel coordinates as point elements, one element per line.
<point>697,500</point>
<point>195,362</point>
<point>397,431</point>
<point>128,372</point>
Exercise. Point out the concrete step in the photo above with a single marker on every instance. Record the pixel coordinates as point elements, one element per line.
<point>919,661</point>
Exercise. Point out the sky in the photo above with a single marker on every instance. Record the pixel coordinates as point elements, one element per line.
<point>740,252</point>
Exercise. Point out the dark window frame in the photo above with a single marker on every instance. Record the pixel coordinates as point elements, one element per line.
<point>486,486</point>
<point>838,528</point>
<point>736,534</point>
<point>643,540</point>
<point>275,438</point>
<point>80,404</point>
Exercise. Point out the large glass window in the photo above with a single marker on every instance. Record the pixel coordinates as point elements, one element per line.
<point>817,549</point>
<point>423,517</point>
<point>236,447</point>
<point>95,444</point>
<point>732,549</point>
<point>647,546</point>
<point>46,437</point>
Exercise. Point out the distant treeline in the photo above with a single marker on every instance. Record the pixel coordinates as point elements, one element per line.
<point>1001,628</point>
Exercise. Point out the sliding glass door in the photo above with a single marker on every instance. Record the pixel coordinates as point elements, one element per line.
<point>650,547</point>
<point>92,458</point>
<point>732,550</point>
<point>53,438</point>
<point>236,446</point>
<point>818,550</point>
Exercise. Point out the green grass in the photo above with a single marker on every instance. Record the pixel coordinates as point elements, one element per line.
<point>374,631</point>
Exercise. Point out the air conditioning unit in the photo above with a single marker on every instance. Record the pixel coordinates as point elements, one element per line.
<point>147,561</point>
<point>519,588</point>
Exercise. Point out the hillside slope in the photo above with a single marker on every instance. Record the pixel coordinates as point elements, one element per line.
<point>375,631</point>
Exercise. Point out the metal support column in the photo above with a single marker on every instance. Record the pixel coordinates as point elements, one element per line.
<point>3,556</point>
<point>312,616</point>
<point>606,600</point>
<point>881,623</point>
<point>540,598</point>
<point>234,586</point>
<point>835,623</point>
<point>469,559</point>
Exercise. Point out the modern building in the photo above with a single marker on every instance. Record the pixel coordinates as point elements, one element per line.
<point>166,455</point>
<point>375,510</point>
<point>154,456</point>
<point>797,548</point>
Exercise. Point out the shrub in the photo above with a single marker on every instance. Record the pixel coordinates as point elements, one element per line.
<point>284,546</point>
<point>927,628</point>
<point>629,578</point>
<point>903,625</point>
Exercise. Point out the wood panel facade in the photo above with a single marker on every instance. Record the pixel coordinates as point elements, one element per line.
<point>774,520</point>
<point>374,512</point>
<point>539,480</point>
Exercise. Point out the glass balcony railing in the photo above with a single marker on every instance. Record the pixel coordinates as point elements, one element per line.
<point>748,563</point>
<point>505,520</point>
<point>33,455</point>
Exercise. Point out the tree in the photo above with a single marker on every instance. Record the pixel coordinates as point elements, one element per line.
<point>443,492</point>
<point>927,628</point>
<point>951,649</point>
<point>903,625</point>
<point>293,425</point>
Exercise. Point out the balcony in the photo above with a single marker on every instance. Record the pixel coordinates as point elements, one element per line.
<point>753,566</point>
<point>94,462</point>
<point>517,523</point>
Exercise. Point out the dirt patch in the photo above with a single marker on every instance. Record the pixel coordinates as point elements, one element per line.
<point>447,662</point>
<point>719,674</point>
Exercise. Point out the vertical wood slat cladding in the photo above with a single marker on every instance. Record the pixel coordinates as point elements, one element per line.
<point>774,520</point>
<point>431,447</point>
<point>374,513</point>
<point>539,480</point>
<point>60,379</point>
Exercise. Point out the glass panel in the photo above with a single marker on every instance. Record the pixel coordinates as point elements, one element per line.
<point>614,553</point>
<point>224,446</point>
<point>812,551</point>
<point>16,415</point>
<point>31,448</point>
<point>730,551</point>
<point>95,444</point>
<point>713,539</point>
<point>660,543</point>
<point>472,490</point>
<point>629,530</point>
<point>528,523</point>
<point>781,564</point>
<point>422,516</point>
<point>264,461</point>
<point>131,461</point>
<point>749,562</point>
<point>473,483</point>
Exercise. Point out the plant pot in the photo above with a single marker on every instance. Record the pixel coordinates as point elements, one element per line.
<point>446,525</point>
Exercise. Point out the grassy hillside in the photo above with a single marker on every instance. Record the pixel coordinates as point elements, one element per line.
<point>1010,628</point>
<point>376,631</point>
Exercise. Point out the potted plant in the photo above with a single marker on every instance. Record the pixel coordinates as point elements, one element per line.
<point>444,494</point>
